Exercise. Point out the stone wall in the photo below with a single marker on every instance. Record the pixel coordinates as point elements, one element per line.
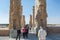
<point>4,31</point>
<point>53,29</point>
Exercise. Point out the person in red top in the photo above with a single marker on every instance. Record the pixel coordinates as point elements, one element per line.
<point>24,32</point>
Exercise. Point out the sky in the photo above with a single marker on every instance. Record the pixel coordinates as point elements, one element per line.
<point>52,9</point>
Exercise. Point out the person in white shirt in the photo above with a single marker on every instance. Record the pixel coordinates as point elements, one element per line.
<point>42,34</point>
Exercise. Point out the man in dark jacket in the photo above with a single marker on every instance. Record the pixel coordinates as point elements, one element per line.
<point>27,30</point>
<point>18,34</point>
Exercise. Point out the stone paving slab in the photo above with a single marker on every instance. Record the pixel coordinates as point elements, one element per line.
<point>4,38</point>
<point>30,37</point>
<point>33,37</point>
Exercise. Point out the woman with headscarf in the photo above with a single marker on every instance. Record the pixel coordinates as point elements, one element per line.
<point>42,34</point>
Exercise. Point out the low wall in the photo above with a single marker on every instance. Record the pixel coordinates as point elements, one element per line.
<point>4,31</point>
<point>53,29</point>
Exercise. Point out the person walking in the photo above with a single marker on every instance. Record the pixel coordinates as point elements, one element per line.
<point>18,34</point>
<point>42,34</point>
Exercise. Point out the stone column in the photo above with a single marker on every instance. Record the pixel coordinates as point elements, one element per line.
<point>15,13</point>
<point>33,16</point>
<point>31,20</point>
<point>23,21</point>
<point>10,16</point>
<point>41,13</point>
<point>15,17</point>
<point>18,12</point>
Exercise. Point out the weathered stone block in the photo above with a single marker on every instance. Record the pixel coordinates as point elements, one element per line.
<point>4,31</point>
<point>13,33</point>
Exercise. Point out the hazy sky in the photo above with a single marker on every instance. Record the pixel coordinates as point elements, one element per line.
<point>53,10</point>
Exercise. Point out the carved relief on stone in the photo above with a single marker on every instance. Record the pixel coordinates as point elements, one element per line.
<point>41,2</point>
<point>15,13</point>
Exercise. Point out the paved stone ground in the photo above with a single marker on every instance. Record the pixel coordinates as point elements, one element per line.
<point>54,36</point>
<point>33,37</point>
<point>49,37</point>
<point>30,37</point>
<point>4,38</point>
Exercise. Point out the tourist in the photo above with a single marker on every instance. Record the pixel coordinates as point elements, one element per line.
<point>42,34</point>
<point>18,34</point>
<point>23,30</point>
<point>27,28</point>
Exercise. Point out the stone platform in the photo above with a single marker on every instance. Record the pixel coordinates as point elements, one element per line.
<point>53,29</point>
<point>4,31</point>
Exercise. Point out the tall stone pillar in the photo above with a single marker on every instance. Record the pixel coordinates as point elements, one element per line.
<point>15,13</point>
<point>33,16</point>
<point>41,15</point>
<point>31,20</point>
<point>10,16</point>
<point>23,21</point>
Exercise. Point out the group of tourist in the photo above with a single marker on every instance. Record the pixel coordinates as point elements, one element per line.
<point>24,31</point>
